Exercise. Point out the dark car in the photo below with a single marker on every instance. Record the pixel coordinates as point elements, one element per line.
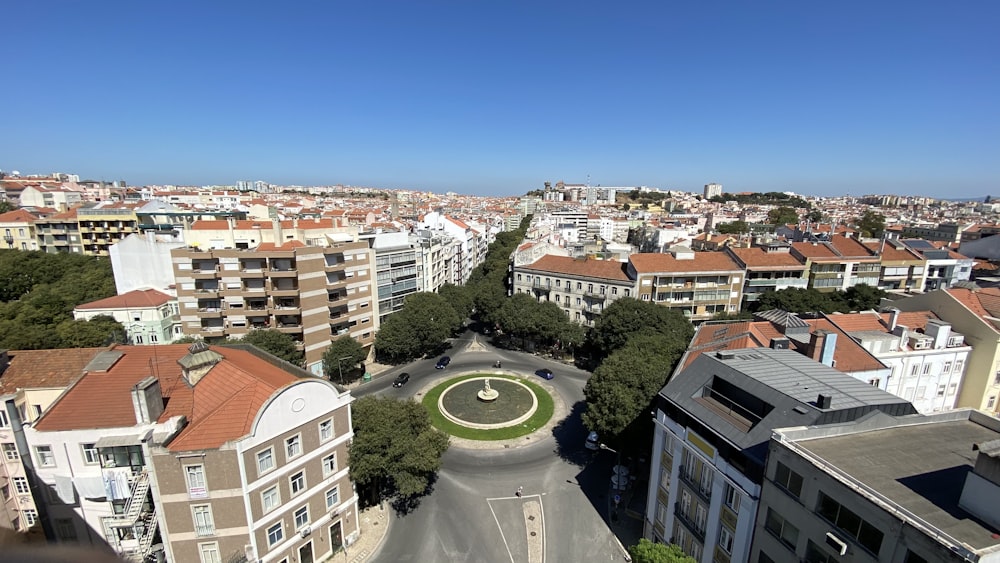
<point>544,373</point>
<point>443,362</point>
<point>401,379</point>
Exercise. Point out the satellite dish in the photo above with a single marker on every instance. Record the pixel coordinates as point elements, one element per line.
<point>15,173</point>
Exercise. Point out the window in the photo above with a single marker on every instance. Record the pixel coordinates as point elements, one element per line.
<point>4,421</point>
<point>661,513</point>
<point>665,478</point>
<point>90,456</point>
<point>914,368</point>
<point>275,534</point>
<point>293,447</point>
<point>785,532</point>
<point>726,539</point>
<point>329,465</point>
<point>850,523</point>
<point>788,479</point>
<point>946,368</point>
<point>265,461</point>
<point>270,499</point>
<point>991,401</point>
<point>45,457</point>
<point>209,552</point>
<point>30,517</point>
<point>952,388</point>
<point>153,338</point>
<point>927,369</point>
<point>5,492</point>
<point>138,339</point>
<point>733,498</point>
<point>21,485</point>
<point>332,498</point>
<point>326,430</point>
<point>203,523</point>
<point>65,530</point>
<point>195,475</point>
<point>816,554</point>
<point>10,450</point>
<point>875,382</point>
<point>302,517</point>
<point>297,482</point>
<point>941,389</point>
<point>959,365</point>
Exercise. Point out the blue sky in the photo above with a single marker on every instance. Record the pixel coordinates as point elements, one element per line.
<point>496,98</point>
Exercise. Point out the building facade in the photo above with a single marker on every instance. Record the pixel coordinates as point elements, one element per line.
<point>699,285</point>
<point>149,316</point>
<point>582,288</point>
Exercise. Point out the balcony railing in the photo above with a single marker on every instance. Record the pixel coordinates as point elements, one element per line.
<point>203,530</point>
<point>704,490</point>
<point>689,523</point>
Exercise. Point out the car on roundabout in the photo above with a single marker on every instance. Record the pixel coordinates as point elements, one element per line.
<point>443,362</point>
<point>544,373</point>
<point>401,380</point>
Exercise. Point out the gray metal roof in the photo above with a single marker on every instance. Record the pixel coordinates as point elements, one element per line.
<point>789,382</point>
<point>782,318</point>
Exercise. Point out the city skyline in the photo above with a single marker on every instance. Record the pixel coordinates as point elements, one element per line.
<point>484,100</point>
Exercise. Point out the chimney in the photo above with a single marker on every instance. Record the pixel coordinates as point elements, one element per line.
<point>823,401</point>
<point>893,318</point>
<point>903,332</point>
<point>982,484</point>
<point>276,231</point>
<point>147,400</point>
<point>780,344</point>
<point>822,344</point>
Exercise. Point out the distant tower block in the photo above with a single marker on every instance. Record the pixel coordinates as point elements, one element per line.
<point>712,190</point>
<point>394,205</point>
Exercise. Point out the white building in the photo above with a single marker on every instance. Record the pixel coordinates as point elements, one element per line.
<point>143,261</point>
<point>149,316</point>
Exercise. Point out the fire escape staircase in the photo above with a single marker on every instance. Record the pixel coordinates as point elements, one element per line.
<point>135,502</point>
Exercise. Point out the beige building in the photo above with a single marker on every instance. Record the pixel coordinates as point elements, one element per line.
<point>18,230</point>
<point>697,284</point>
<point>583,288</point>
<point>314,293</point>
<point>975,313</point>
<point>102,226</point>
<point>198,454</point>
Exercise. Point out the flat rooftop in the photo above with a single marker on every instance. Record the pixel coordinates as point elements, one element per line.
<point>920,467</point>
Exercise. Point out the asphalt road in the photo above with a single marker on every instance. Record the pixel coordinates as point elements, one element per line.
<point>473,514</point>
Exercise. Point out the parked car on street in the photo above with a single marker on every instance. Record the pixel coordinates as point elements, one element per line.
<point>544,373</point>
<point>443,362</point>
<point>401,379</point>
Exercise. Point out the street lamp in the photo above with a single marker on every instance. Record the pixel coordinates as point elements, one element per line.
<point>340,367</point>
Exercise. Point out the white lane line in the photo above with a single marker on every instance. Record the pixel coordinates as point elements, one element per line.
<point>545,539</point>
<point>497,520</point>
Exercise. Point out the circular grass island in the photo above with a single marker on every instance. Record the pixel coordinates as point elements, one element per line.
<point>525,405</point>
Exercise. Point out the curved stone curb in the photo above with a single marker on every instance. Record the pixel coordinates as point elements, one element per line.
<point>481,426</point>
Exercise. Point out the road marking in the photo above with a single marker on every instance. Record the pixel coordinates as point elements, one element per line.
<point>500,528</point>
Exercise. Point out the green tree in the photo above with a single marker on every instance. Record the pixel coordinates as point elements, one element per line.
<point>395,452</point>
<point>800,300</point>
<point>423,325</point>
<point>649,552</point>
<point>627,316</point>
<point>815,216</point>
<point>734,228</point>
<point>6,206</point>
<point>395,341</point>
<point>871,224</point>
<point>863,297</point>
<point>101,330</point>
<point>623,386</point>
<point>782,215</point>
<point>459,297</point>
<point>344,353</point>
<point>274,342</point>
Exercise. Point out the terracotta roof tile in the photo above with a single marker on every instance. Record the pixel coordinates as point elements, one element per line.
<point>290,245</point>
<point>814,250</point>
<point>757,258</point>
<point>17,216</point>
<point>651,263</point>
<point>138,298</point>
<point>36,369</point>
<point>604,269</point>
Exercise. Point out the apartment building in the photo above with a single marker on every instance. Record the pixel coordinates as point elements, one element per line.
<point>30,381</point>
<point>104,225</point>
<point>927,359</point>
<point>838,263</point>
<point>945,267</point>
<point>770,267</point>
<point>59,233</point>
<point>884,489</point>
<point>143,261</point>
<point>583,288</point>
<point>696,284</point>
<point>313,293</point>
<point>201,454</point>
<point>149,316</point>
<point>53,198</point>
<point>468,251</point>
<point>901,268</point>
<point>711,430</point>
<point>18,230</point>
<point>399,269</point>
<point>974,313</point>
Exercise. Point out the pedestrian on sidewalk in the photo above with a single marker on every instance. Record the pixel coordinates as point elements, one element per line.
<point>519,491</point>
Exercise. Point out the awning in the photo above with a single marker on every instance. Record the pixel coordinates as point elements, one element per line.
<point>112,441</point>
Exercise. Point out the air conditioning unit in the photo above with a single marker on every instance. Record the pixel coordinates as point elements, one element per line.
<point>836,543</point>
<point>305,531</point>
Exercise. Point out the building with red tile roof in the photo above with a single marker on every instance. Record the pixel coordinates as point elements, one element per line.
<point>838,263</point>
<point>699,285</point>
<point>582,287</point>
<point>901,268</point>
<point>149,436</point>
<point>149,316</point>
<point>18,230</point>
<point>769,268</point>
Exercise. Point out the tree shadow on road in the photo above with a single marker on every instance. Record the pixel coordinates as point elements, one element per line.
<point>570,435</point>
<point>405,505</point>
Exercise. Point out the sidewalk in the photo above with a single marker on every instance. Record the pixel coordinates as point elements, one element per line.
<point>373,527</point>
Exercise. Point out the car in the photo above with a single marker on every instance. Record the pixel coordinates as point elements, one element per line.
<point>544,373</point>
<point>401,379</point>
<point>592,442</point>
<point>443,362</point>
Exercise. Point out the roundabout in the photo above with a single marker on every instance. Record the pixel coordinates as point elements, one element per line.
<point>514,408</point>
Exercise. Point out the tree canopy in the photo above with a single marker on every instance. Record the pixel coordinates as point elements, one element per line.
<point>274,342</point>
<point>782,215</point>
<point>809,300</point>
<point>395,453</point>
<point>649,552</point>
<point>733,228</point>
<point>343,355</point>
<point>38,292</point>
<point>541,322</point>
<point>627,316</point>
<point>423,325</point>
<point>766,198</point>
<point>871,223</point>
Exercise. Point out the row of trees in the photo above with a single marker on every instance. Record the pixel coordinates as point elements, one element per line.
<point>810,300</point>
<point>38,292</point>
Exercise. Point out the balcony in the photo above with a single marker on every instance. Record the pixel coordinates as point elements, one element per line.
<point>284,290</point>
<point>689,523</point>
<point>541,287</point>
<point>704,491</point>
<point>203,273</point>
<point>254,288</point>
<point>283,272</point>
<point>210,312</point>
<point>597,296</point>
<point>207,291</point>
